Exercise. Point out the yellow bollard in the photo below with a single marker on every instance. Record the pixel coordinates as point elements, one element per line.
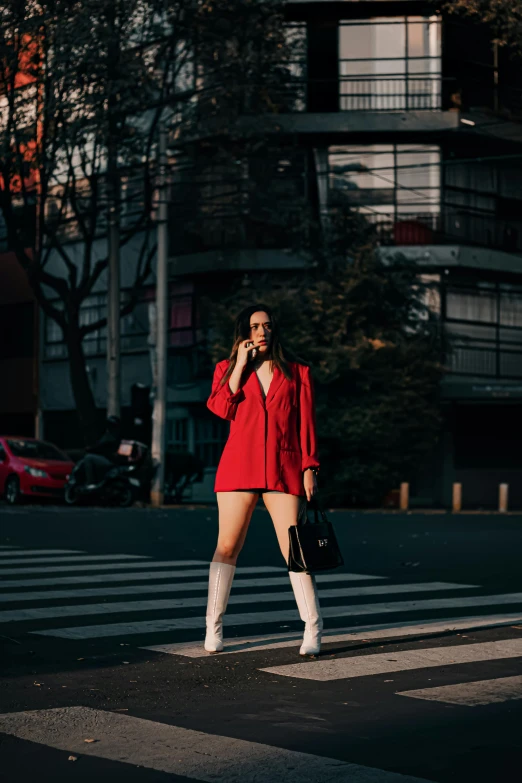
<point>404,496</point>
<point>457,497</point>
<point>503,495</point>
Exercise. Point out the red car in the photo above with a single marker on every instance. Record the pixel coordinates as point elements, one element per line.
<point>32,468</point>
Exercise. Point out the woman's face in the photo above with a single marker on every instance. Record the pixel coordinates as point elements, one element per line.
<point>261,331</point>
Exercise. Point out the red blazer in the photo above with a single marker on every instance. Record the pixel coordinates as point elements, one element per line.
<point>270,442</point>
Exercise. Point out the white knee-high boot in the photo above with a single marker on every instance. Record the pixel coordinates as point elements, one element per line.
<point>219,584</point>
<point>305,592</point>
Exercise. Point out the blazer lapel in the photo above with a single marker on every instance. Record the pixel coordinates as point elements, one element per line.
<point>277,379</point>
<point>253,383</point>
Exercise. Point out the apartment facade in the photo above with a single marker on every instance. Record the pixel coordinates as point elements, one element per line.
<point>412,120</point>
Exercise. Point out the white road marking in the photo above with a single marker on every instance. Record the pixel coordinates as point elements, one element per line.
<point>98,567</point>
<point>23,552</point>
<point>385,663</point>
<point>73,559</point>
<point>275,581</point>
<point>472,694</point>
<point>254,618</point>
<point>161,604</point>
<point>184,752</point>
<point>146,576</point>
<point>362,633</point>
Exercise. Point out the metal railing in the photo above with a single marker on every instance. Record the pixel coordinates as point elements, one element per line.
<point>200,234</point>
<point>445,227</point>
<point>394,92</point>
<point>217,106</point>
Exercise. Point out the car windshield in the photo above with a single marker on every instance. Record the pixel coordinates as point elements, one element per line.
<point>36,449</point>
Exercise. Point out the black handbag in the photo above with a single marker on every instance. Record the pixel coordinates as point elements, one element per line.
<point>313,545</point>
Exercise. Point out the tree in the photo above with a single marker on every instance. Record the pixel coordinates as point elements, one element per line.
<point>504,17</point>
<point>82,86</point>
<point>376,355</point>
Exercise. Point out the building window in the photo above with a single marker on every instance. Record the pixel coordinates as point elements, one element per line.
<point>484,322</point>
<point>295,48</point>
<point>178,434</point>
<point>395,186</point>
<point>390,64</point>
<point>133,333</point>
<point>210,437</point>
<point>181,323</point>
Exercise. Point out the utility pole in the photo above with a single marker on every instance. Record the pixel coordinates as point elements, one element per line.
<point>159,416</point>
<point>113,199</point>
<point>113,297</point>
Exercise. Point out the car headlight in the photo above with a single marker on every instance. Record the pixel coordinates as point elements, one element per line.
<point>35,472</point>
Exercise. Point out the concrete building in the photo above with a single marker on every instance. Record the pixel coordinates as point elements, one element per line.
<point>412,120</point>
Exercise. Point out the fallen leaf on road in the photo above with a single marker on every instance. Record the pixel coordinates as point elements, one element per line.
<point>72,758</point>
<point>90,740</point>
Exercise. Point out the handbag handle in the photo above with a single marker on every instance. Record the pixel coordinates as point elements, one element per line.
<point>317,508</point>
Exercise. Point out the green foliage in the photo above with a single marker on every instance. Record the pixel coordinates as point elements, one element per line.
<point>504,18</point>
<point>376,357</point>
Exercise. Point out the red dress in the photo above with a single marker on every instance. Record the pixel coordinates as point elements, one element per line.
<point>272,441</point>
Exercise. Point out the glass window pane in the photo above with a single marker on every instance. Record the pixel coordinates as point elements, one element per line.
<point>367,177</point>
<point>390,64</point>
<point>511,309</point>
<point>470,306</point>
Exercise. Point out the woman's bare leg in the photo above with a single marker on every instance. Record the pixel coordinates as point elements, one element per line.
<point>284,511</point>
<point>235,513</point>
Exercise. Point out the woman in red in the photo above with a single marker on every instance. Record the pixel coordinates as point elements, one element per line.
<point>271,450</point>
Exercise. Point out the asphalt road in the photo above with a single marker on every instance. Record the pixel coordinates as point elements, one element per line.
<point>420,677</point>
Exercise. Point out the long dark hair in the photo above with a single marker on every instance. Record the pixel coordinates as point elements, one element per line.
<point>279,356</point>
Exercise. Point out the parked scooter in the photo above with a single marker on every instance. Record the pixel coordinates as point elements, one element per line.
<point>120,486</point>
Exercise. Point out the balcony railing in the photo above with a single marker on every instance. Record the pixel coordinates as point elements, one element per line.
<point>446,227</point>
<point>199,235</point>
<point>494,361</point>
<point>394,92</point>
<point>348,92</point>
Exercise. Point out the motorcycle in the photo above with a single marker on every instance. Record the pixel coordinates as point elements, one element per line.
<point>120,486</point>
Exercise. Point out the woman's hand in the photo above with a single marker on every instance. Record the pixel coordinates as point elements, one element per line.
<point>310,483</point>
<point>243,353</point>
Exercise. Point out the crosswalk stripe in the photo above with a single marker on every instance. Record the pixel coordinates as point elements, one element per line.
<point>101,566</point>
<point>235,645</point>
<point>275,581</point>
<point>386,663</point>
<point>254,618</point>
<point>72,559</point>
<point>146,576</point>
<point>23,552</point>
<point>184,752</point>
<point>472,694</point>
<point>160,604</point>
